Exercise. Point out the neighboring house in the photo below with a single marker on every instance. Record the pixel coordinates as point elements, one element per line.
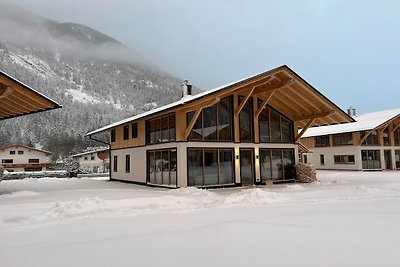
<point>18,99</point>
<point>94,161</point>
<point>371,143</point>
<point>241,134</point>
<point>22,158</point>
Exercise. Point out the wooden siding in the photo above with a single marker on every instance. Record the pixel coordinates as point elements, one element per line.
<point>17,99</point>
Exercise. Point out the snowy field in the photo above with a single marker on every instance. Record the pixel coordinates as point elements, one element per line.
<point>346,219</point>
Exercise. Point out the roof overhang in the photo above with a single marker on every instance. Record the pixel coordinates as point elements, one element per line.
<point>280,88</point>
<point>18,99</point>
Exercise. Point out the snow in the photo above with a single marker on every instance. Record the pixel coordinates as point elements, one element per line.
<point>368,121</point>
<point>345,219</point>
<point>33,63</point>
<point>83,97</point>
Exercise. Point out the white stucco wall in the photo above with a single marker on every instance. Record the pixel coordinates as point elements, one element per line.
<point>330,152</point>
<point>24,159</point>
<point>139,165</point>
<point>89,164</point>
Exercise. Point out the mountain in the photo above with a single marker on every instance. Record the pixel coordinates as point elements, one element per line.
<point>96,79</point>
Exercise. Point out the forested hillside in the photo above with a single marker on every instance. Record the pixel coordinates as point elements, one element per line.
<point>95,78</point>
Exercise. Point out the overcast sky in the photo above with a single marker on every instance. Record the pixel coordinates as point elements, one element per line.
<point>349,50</point>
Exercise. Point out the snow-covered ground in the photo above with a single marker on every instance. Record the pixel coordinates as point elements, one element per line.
<point>346,219</point>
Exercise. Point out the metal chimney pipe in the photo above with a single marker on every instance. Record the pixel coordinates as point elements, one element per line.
<point>186,88</point>
<point>351,111</point>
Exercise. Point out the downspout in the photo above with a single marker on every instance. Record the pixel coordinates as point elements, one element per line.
<point>109,153</point>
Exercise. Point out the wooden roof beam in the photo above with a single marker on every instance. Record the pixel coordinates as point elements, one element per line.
<point>396,127</point>
<point>314,116</point>
<point>281,85</point>
<point>196,115</point>
<point>265,102</point>
<point>4,92</point>
<point>192,122</point>
<point>237,111</point>
<point>304,130</point>
<point>365,137</point>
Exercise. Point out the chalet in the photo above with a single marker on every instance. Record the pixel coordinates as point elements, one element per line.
<point>96,161</point>
<point>242,134</point>
<point>370,143</point>
<point>18,99</point>
<point>22,158</point>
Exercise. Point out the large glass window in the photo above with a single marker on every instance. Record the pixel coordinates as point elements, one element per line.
<point>342,139</point>
<point>208,167</point>
<point>213,124</point>
<point>246,120</point>
<point>321,141</point>
<point>277,164</point>
<point>161,129</point>
<point>385,135</point>
<point>397,137</point>
<point>274,127</point>
<point>344,159</point>
<point>371,159</point>
<point>397,158</point>
<point>372,139</point>
<point>162,167</point>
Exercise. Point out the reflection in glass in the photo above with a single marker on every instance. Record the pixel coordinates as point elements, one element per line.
<point>210,167</point>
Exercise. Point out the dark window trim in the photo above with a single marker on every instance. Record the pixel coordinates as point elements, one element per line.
<point>127,163</point>
<point>211,148</point>
<point>134,130</point>
<point>113,134</point>
<point>147,130</point>
<point>126,132</point>
<point>115,163</point>
<point>283,168</point>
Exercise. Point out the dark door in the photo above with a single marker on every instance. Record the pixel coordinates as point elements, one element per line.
<point>247,166</point>
<point>388,159</point>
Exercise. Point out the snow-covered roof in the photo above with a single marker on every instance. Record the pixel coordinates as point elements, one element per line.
<point>337,114</point>
<point>89,152</point>
<point>26,147</point>
<point>365,122</point>
<point>180,102</point>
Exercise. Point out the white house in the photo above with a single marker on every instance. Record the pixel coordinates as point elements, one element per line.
<point>240,134</point>
<point>94,161</point>
<point>370,143</point>
<point>22,158</point>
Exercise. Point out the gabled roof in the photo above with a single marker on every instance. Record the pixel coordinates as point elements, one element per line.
<point>292,87</point>
<point>89,152</point>
<point>365,122</point>
<point>27,147</point>
<point>17,99</point>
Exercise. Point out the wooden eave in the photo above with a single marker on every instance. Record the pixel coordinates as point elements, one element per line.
<point>281,88</point>
<point>18,99</point>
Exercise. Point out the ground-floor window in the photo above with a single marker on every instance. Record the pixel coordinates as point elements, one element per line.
<point>115,163</point>
<point>397,158</point>
<point>371,159</point>
<point>344,159</point>
<point>277,164</point>
<point>161,167</point>
<point>322,159</point>
<point>210,166</point>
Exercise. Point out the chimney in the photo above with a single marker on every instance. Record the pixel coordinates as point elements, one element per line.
<point>186,89</point>
<point>351,111</point>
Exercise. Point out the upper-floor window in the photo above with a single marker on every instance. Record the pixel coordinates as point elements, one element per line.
<point>322,140</point>
<point>134,130</point>
<point>126,132</point>
<point>161,129</point>
<point>85,158</point>
<point>20,152</point>
<point>246,121</point>
<point>385,135</point>
<point>92,158</point>
<point>342,139</point>
<point>372,139</point>
<point>12,152</point>
<point>397,137</point>
<point>113,135</point>
<point>214,123</point>
<point>274,127</point>
<point>33,160</point>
